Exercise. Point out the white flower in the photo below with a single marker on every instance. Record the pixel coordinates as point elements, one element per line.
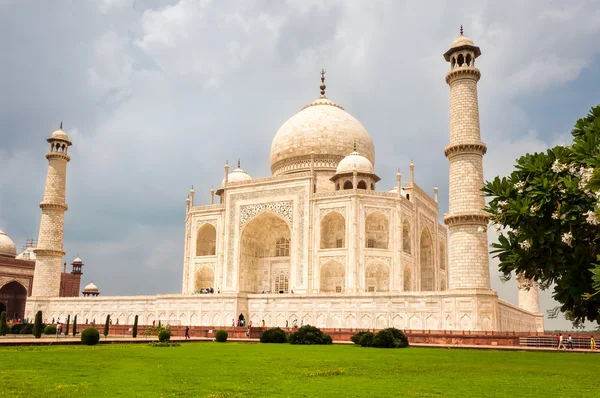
<point>572,170</point>
<point>555,215</point>
<point>557,167</point>
<point>591,217</point>
<point>519,184</point>
<point>503,203</point>
<point>534,208</point>
<point>525,245</point>
<point>567,237</point>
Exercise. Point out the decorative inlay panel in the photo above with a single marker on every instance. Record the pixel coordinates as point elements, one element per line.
<point>339,259</point>
<point>426,221</point>
<point>200,223</point>
<point>284,209</point>
<point>324,212</point>
<point>385,259</point>
<point>369,210</point>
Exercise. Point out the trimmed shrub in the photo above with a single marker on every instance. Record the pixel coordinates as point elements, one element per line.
<point>21,328</point>
<point>50,329</point>
<point>221,336</point>
<point>134,332</point>
<point>309,335</point>
<point>37,325</point>
<point>366,340</point>
<point>3,324</point>
<point>390,338</point>
<point>90,336</point>
<point>166,344</point>
<point>164,336</point>
<point>356,337</point>
<point>27,330</point>
<point>106,325</point>
<point>75,326</point>
<point>67,325</point>
<point>275,335</point>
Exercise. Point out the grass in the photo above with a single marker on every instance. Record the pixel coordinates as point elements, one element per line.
<point>282,370</point>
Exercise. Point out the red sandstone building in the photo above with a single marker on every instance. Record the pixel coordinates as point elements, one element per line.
<point>16,277</point>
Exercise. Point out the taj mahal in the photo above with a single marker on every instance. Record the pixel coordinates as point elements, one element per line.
<point>319,241</point>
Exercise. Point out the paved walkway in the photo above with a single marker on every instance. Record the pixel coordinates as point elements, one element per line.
<point>63,340</point>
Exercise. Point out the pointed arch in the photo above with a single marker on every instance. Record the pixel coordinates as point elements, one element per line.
<point>281,284</point>
<point>426,258</point>
<point>361,185</point>
<point>406,236</point>
<point>333,231</point>
<point>206,240</point>
<point>377,277</point>
<point>332,277</point>
<point>204,278</point>
<point>377,228</point>
<point>348,185</point>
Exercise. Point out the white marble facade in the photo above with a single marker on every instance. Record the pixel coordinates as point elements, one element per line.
<point>318,243</point>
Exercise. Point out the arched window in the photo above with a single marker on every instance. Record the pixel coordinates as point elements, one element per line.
<point>204,279</point>
<point>468,59</point>
<point>281,284</point>
<point>361,185</point>
<point>426,253</point>
<point>332,277</point>
<point>377,277</point>
<point>407,280</point>
<point>282,247</point>
<point>206,241</point>
<point>377,231</point>
<point>461,60</point>
<point>348,185</point>
<point>333,231</point>
<point>442,256</point>
<point>372,187</point>
<point>406,237</point>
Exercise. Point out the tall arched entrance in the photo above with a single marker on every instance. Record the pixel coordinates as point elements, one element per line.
<point>264,263</point>
<point>13,295</point>
<point>426,253</point>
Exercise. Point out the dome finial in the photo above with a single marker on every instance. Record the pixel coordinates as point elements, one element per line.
<point>354,145</point>
<point>239,163</point>
<point>461,30</point>
<point>60,128</point>
<point>323,86</point>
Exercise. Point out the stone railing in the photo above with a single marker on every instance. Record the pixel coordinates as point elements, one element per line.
<point>268,179</point>
<point>208,207</point>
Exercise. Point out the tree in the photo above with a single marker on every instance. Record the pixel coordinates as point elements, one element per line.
<point>3,324</point>
<point>106,325</point>
<point>74,325</point>
<point>37,325</point>
<point>135,324</point>
<point>547,215</point>
<point>67,325</point>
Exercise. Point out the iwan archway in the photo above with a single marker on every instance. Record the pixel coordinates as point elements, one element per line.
<point>264,262</point>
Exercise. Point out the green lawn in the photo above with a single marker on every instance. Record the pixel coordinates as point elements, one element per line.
<point>260,370</point>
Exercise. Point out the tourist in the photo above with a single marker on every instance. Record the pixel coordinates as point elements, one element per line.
<point>592,343</point>
<point>187,332</point>
<point>569,342</point>
<point>263,324</point>
<point>233,323</point>
<point>560,342</point>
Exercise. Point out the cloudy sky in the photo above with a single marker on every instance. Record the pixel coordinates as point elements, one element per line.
<point>157,95</point>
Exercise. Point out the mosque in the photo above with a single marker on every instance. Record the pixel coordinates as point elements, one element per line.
<point>317,242</point>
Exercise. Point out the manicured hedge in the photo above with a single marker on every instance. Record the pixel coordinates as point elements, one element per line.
<point>275,335</point>
<point>385,338</point>
<point>164,336</point>
<point>90,336</point>
<point>309,335</point>
<point>50,329</point>
<point>221,336</point>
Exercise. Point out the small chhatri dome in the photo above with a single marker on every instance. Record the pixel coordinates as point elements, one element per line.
<point>60,134</point>
<point>27,254</point>
<point>322,127</point>
<point>90,288</point>
<point>77,261</point>
<point>355,161</point>
<point>462,42</point>
<point>237,175</point>
<point>7,246</point>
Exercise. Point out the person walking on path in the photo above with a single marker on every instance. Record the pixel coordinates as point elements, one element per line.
<point>560,342</point>
<point>570,342</point>
<point>187,332</point>
<point>592,343</point>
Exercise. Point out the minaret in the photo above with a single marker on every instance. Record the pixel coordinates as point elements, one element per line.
<point>468,266</point>
<point>49,250</point>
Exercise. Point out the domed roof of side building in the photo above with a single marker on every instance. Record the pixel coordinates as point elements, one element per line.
<point>90,287</point>
<point>236,175</point>
<point>462,40</point>
<point>27,254</point>
<point>355,161</point>
<point>7,246</point>
<point>321,127</point>
<point>60,134</point>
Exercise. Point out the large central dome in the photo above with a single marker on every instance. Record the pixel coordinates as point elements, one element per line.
<point>323,128</point>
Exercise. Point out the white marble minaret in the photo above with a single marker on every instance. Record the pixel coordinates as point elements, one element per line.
<point>49,250</point>
<point>468,266</point>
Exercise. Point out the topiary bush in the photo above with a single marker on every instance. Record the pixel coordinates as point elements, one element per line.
<point>164,336</point>
<point>37,326</point>
<point>221,336</point>
<point>50,329</point>
<point>275,335</point>
<point>75,326</point>
<point>67,325</point>
<point>135,327</point>
<point>90,336</point>
<point>106,325</point>
<point>390,338</point>
<point>356,337</point>
<point>309,335</point>
<point>366,340</point>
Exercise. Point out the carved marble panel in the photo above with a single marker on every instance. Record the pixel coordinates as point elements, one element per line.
<point>248,212</point>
